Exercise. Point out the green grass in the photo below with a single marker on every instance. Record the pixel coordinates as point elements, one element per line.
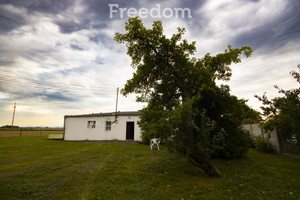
<point>38,168</point>
<point>56,136</point>
<point>293,148</point>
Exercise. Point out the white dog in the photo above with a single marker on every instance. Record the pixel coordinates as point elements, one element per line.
<point>154,141</point>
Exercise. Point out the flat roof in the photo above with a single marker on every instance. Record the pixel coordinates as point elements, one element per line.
<point>108,114</point>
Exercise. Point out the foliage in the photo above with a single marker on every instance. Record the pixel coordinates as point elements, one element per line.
<point>173,82</point>
<point>283,112</point>
<point>228,113</point>
<point>155,124</point>
<point>263,145</point>
<point>38,168</point>
<point>252,141</point>
<point>216,126</point>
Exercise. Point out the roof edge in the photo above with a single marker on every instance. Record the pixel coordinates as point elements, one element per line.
<point>108,114</point>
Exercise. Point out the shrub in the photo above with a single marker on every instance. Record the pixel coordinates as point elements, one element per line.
<point>252,141</point>
<point>263,145</point>
<point>235,145</point>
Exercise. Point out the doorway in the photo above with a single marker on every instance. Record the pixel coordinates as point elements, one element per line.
<point>130,131</point>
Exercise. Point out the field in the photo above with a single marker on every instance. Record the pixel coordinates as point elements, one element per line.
<point>7,132</point>
<point>38,168</point>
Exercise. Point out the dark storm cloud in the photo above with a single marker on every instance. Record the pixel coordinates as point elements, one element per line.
<point>76,47</point>
<point>9,21</point>
<point>193,5</point>
<point>71,26</point>
<point>58,97</point>
<point>43,6</point>
<point>101,8</point>
<point>274,34</point>
<point>47,96</point>
<point>95,16</point>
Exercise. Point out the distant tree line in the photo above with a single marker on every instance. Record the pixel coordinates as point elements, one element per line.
<point>9,126</point>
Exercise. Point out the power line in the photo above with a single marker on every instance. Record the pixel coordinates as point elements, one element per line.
<point>59,89</point>
<point>53,85</point>
<point>14,78</point>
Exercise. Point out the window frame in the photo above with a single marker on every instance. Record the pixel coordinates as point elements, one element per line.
<point>108,128</point>
<point>91,124</point>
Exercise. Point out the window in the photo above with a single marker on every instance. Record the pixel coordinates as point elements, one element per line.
<point>108,125</point>
<point>91,124</point>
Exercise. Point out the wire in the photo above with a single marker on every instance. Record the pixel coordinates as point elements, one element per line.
<point>53,85</point>
<point>14,78</point>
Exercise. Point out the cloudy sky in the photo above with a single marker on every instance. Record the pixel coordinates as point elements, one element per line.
<point>58,57</point>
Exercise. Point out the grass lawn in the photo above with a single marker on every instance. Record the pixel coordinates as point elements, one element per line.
<point>38,168</point>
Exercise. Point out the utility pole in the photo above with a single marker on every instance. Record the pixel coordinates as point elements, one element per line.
<point>116,114</point>
<point>13,118</point>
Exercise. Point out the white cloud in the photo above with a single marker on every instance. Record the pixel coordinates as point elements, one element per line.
<point>260,73</point>
<point>222,21</point>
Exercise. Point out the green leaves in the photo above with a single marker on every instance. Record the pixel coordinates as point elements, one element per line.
<point>283,112</point>
<point>220,63</point>
<point>157,58</point>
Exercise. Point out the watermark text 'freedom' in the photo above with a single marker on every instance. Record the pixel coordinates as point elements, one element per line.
<point>155,12</point>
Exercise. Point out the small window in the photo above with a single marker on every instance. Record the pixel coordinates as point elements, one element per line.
<point>91,124</point>
<point>108,126</point>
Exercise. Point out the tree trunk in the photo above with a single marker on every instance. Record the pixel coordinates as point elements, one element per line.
<point>204,164</point>
<point>201,161</point>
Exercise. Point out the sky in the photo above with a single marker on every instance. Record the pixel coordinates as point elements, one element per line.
<point>58,57</point>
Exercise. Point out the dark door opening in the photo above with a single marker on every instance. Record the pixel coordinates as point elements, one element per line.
<point>130,131</point>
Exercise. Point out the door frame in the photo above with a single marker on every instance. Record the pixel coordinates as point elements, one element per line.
<point>129,130</point>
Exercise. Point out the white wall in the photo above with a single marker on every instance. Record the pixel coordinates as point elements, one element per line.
<point>76,128</point>
<point>274,140</point>
<point>254,129</point>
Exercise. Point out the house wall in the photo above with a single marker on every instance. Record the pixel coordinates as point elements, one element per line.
<point>76,128</point>
<point>257,131</point>
<point>254,129</point>
<point>274,140</point>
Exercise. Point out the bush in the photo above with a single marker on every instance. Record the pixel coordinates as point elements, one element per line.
<point>252,141</point>
<point>263,145</point>
<point>234,145</point>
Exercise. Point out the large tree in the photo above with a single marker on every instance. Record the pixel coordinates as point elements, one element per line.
<point>283,112</point>
<point>169,79</point>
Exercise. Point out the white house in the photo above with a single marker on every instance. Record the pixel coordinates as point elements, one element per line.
<point>103,126</point>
